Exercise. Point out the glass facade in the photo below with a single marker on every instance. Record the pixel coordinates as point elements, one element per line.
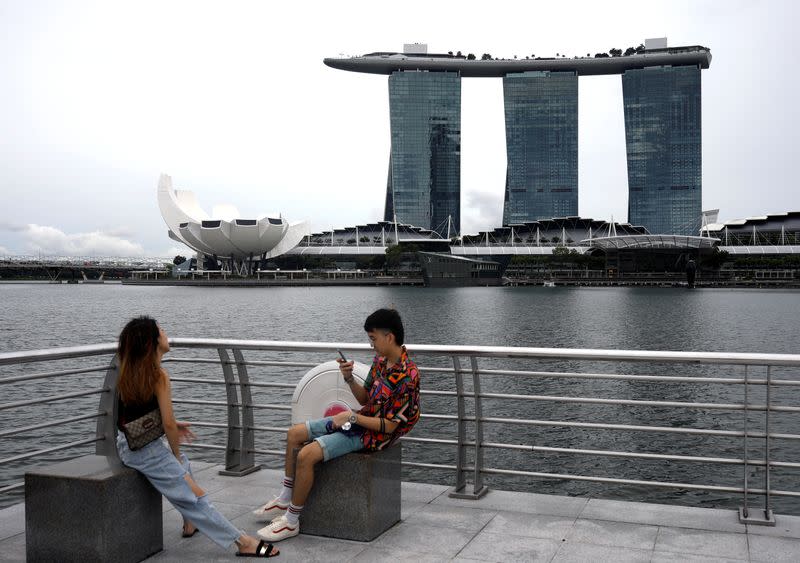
<point>663,139</point>
<point>541,110</point>
<point>424,184</point>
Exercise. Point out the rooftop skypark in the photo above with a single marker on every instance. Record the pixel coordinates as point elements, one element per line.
<point>616,62</point>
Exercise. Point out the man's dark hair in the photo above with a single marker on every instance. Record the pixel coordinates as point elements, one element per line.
<point>386,319</point>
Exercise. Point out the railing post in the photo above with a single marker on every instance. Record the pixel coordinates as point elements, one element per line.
<point>107,421</point>
<point>766,518</point>
<point>233,451</point>
<point>248,440</point>
<point>461,454</point>
<point>478,489</point>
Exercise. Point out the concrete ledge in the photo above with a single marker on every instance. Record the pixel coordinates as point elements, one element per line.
<point>91,509</point>
<point>355,497</point>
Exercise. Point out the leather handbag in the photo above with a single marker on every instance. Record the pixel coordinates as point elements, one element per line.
<point>143,430</point>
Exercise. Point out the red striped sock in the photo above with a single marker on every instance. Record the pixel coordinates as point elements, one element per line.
<point>293,515</point>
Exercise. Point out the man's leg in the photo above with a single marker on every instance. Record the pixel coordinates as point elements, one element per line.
<point>295,438</point>
<point>307,458</point>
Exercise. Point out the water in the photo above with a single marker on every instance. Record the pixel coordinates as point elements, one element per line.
<point>42,316</point>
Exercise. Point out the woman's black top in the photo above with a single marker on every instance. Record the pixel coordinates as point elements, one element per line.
<point>128,413</point>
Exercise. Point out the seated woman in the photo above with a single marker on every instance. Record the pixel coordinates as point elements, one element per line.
<point>144,386</point>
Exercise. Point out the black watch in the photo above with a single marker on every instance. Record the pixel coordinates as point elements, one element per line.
<point>353,417</point>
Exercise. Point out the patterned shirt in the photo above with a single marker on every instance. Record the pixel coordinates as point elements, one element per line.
<point>393,394</point>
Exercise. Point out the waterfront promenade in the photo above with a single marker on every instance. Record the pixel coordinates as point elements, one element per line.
<point>502,526</point>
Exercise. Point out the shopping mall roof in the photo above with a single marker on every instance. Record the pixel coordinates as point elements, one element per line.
<point>634,242</point>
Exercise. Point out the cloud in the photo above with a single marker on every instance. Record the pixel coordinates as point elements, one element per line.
<point>481,211</point>
<point>4,251</point>
<point>50,240</point>
<point>173,251</point>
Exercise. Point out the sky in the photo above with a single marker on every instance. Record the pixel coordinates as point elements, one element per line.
<point>233,101</point>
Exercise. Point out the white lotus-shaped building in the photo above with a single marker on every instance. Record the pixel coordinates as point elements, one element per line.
<point>224,234</point>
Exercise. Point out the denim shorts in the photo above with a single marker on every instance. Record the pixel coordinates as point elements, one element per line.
<point>334,443</point>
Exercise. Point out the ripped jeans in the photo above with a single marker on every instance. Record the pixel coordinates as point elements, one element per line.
<point>156,462</point>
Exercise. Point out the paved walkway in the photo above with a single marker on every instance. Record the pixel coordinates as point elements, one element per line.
<point>502,526</point>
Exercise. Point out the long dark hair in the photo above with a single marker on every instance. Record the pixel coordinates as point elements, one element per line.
<point>139,368</point>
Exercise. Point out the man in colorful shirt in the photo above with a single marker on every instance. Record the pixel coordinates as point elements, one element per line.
<point>390,399</point>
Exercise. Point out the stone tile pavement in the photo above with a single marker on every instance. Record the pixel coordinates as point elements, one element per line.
<point>503,526</point>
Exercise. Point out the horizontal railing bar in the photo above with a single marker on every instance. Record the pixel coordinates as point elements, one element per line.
<point>633,402</point>
<point>731,358</point>
<point>274,385</point>
<point>59,422</point>
<point>212,424</point>
<point>197,380</point>
<point>50,450</point>
<point>607,453</point>
<point>272,407</point>
<point>13,358</point>
<point>429,369</point>
<point>192,361</point>
<point>49,374</point>
<point>277,363</point>
<point>605,426</point>
<point>440,416</point>
<point>223,382</point>
<point>430,440</point>
<point>201,402</point>
<point>13,487</point>
<point>51,398</point>
<point>268,452</point>
<point>203,446</point>
<point>668,378</point>
<point>428,465</point>
<point>728,358</point>
<point>439,393</point>
<point>635,455</point>
<point>269,428</point>
<point>224,404</point>
<point>257,363</point>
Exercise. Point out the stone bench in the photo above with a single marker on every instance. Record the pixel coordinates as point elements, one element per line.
<point>355,497</point>
<point>90,509</point>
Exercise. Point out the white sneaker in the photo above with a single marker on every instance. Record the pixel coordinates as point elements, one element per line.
<point>271,510</point>
<point>279,529</point>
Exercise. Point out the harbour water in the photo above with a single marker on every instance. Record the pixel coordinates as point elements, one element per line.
<point>43,316</point>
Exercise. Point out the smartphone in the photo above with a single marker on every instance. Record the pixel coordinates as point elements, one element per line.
<point>342,356</point>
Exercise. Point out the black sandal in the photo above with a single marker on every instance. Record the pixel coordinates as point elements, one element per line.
<point>262,550</point>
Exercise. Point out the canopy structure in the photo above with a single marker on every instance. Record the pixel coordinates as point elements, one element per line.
<point>634,242</point>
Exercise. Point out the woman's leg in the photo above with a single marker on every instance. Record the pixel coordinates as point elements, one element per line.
<point>168,476</point>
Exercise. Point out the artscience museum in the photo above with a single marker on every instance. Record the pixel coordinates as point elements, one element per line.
<point>225,234</point>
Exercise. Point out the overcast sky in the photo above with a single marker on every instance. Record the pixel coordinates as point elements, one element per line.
<point>233,101</point>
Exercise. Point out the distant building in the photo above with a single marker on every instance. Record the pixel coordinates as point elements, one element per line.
<point>664,140</point>
<point>541,110</point>
<point>777,233</point>
<point>225,234</point>
<point>661,91</point>
<point>424,184</point>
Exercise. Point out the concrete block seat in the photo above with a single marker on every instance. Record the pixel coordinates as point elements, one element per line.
<point>355,497</point>
<point>90,509</point>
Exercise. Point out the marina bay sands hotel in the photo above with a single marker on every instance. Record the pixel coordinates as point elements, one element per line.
<point>662,103</point>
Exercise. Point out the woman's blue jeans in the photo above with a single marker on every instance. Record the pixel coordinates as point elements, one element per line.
<point>156,462</point>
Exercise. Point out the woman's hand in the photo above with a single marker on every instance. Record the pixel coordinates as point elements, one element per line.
<point>185,434</point>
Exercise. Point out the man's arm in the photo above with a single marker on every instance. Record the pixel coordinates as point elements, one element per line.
<point>355,388</point>
<point>376,423</point>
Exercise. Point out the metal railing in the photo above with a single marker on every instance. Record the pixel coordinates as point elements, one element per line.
<point>459,382</point>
